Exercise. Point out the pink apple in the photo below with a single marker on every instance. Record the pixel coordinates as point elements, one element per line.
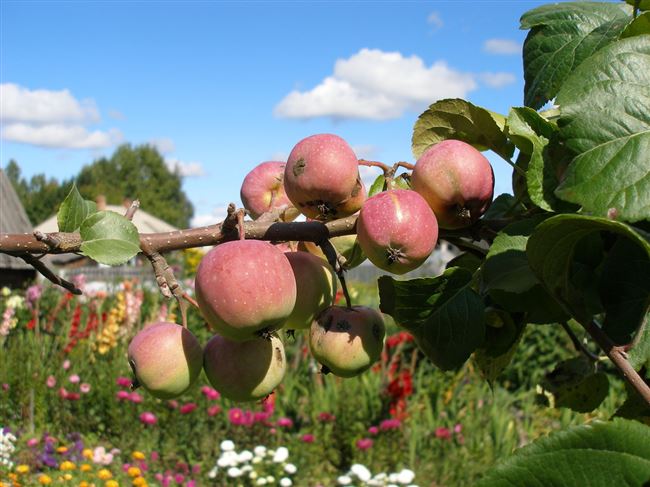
<point>262,190</point>
<point>456,180</point>
<point>321,176</point>
<point>245,288</point>
<point>397,230</point>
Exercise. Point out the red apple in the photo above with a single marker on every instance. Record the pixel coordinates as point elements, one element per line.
<point>456,180</point>
<point>321,175</point>
<point>245,288</point>
<point>347,341</point>
<point>262,190</point>
<point>397,230</point>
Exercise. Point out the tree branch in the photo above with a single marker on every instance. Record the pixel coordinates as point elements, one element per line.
<point>47,273</point>
<point>579,346</point>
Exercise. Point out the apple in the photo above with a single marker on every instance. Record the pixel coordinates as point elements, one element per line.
<point>321,176</point>
<point>245,371</point>
<point>456,180</point>
<point>347,341</point>
<point>316,288</point>
<point>262,190</point>
<point>245,288</point>
<point>397,230</point>
<point>166,359</point>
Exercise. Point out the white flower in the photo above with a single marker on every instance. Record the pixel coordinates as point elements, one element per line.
<point>290,468</point>
<point>281,454</point>
<point>234,472</point>
<point>213,473</point>
<point>406,476</point>
<point>245,456</point>
<point>256,460</point>
<point>252,475</point>
<point>259,451</point>
<point>261,481</point>
<point>361,471</point>
<point>247,468</point>
<point>285,482</point>
<point>344,480</point>
<point>224,462</point>
<point>227,445</point>
<point>270,479</point>
<point>392,478</point>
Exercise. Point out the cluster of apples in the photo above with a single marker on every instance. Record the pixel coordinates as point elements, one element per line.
<point>247,290</point>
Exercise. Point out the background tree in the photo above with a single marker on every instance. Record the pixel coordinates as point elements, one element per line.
<point>138,172</point>
<point>131,172</point>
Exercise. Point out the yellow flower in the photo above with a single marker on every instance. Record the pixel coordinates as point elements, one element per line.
<point>62,449</point>
<point>140,482</point>
<point>67,465</point>
<point>104,474</point>
<point>138,455</point>
<point>87,453</point>
<point>67,476</point>
<point>134,472</point>
<point>2,484</point>
<point>85,467</point>
<point>22,469</point>
<point>111,483</point>
<point>44,479</point>
<point>13,477</point>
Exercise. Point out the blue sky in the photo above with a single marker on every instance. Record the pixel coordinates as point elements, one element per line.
<point>222,86</point>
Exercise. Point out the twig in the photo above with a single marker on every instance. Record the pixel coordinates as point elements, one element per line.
<point>405,165</point>
<point>48,239</point>
<point>467,245</point>
<point>333,258</point>
<point>618,356</point>
<point>135,204</point>
<point>46,272</point>
<point>190,300</point>
<point>240,224</point>
<point>384,167</point>
<point>579,346</point>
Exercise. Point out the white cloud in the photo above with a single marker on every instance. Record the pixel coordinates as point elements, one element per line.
<point>217,215</point>
<point>497,80</point>
<point>377,85</point>
<point>50,118</point>
<point>60,135</point>
<point>279,156</point>
<point>164,145</point>
<point>502,46</point>
<point>44,106</point>
<point>185,169</point>
<point>365,151</point>
<point>435,20</point>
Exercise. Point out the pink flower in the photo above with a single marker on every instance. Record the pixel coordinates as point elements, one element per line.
<point>390,424</point>
<point>326,417</point>
<point>5,386</point>
<point>154,454</point>
<point>196,469</point>
<point>50,381</point>
<point>32,442</point>
<point>364,443</point>
<point>123,382</point>
<point>458,428</point>
<point>126,467</point>
<point>236,416</point>
<point>284,423</point>
<point>443,433</point>
<point>307,438</point>
<point>159,477</point>
<point>122,395</point>
<point>74,379</point>
<point>63,394</point>
<point>73,396</point>
<point>261,417</point>
<point>101,456</point>
<point>135,398</point>
<point>149,418</point>
<point>187,408</point>
<point>191,483</point>
<point>172,404</point>
<point>373,430</point>
<point>179,478</point>
<point>84,388</point>
<point>214,410</point>
<point>210,393</point>
<point>66,365</point>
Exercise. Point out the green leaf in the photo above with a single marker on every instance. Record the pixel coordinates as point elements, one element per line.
<point>551,251</point>
<point>598,454</point>
<point>504,206</point>
<point>74,210</point>
<point>444,314</point>
<point>507,277</point>
<point>466,260</point>
<point>109,238</point>
<point>642,4</point>
<point>500,345</point>
<point>639,26</point>
<point>458,119</point>
<point>634,407</point>
<point>562,36</point>
<point>576,385</point>
<point>377,186</point>
<point>639,355</point>
<point>605,121</point>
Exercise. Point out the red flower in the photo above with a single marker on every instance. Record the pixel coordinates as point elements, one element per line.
<point>443,433</point>
<point>187,408</point>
